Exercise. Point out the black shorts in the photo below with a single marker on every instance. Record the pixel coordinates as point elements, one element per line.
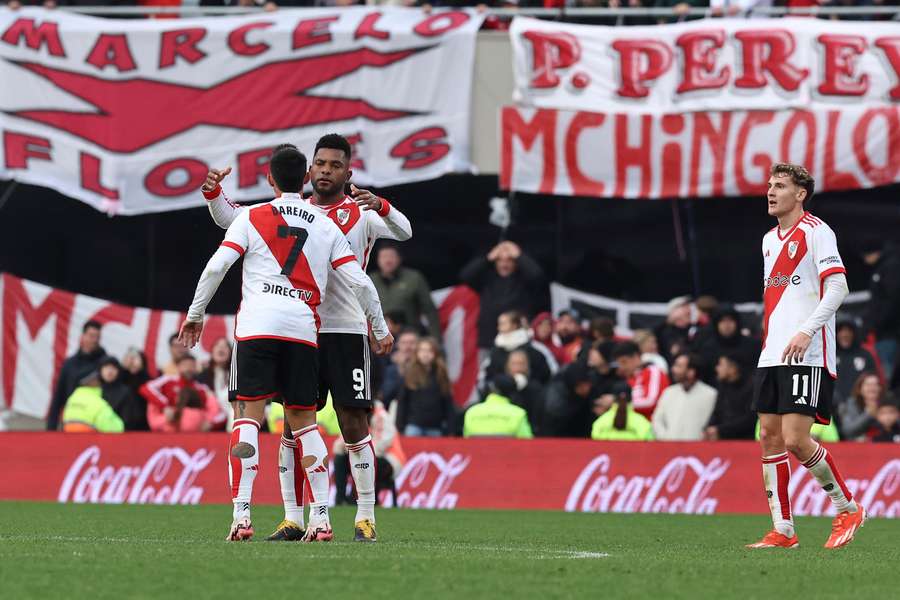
<point>283,371</point>
<point>794,389</point>
<point>346,370</point>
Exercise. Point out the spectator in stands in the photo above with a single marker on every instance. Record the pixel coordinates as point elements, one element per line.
<point>74,368</point>
<point>177,350</point>
<point>395,372</point>
<point>681,8</point>
<point>673,335</point>
<point>216,374</point>
<point>529,393</point>
<point>568,332</point>
<point>404,290</point>
<point>617,420</point>
<point>888,418</point>
<point>857,415</point>
<point>497,416</point>
<point>129,406</point>
<point>568,403</point>
<point>732,418</point>
<point>180,403</point>
<point>882,316</point>
<point>646,381</point>
<point>506,279</point>
<point>513,334</point>
<point>542,333</point>
<point>87,412</point>
<point>726,338</point>
<point>425,404</point>
<point>649,347</point>
<point>685,406</point>
<point>134,369</point>
<point>601,329</point>
<point>604,377</point>
<point>852,360</point>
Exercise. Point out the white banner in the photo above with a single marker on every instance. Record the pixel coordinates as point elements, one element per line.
<point>129,115</point>
<point>721,64</point>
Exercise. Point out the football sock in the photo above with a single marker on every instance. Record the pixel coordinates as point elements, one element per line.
<point>776,476</point>
<point>822,467</point>
<point>314,461</point>
<point>362,466</point>
<point>243,464</point>
<point>293,480</point>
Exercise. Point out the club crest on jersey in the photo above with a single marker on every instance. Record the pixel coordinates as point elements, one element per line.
<point>343,215</point>
<point>792,249</point>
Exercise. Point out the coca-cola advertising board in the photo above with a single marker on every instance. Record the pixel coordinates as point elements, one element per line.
<point>449,473</point>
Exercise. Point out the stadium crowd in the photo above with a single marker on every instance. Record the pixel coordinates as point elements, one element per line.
<point>689,378</point>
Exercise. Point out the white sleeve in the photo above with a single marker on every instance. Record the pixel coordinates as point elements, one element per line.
<point>836,289</point>
<point>365,293</point>
<point>825,252</point>
<point>389,223</point>
<point>222,210</point>
<point>233,247</point>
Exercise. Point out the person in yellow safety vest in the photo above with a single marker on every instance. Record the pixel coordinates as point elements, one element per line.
<point>618,421</point>
<point>326,418</point>
<point>87,412</point>
<point>497,416</point>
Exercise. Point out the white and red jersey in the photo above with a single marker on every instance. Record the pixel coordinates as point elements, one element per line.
<point>647,385</point>
<point>289,251</point>
<point>796,264</point>
<point>162,393</point>
<point>339,311</point>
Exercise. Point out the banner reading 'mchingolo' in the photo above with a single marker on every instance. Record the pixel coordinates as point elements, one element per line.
<point>128,115</point>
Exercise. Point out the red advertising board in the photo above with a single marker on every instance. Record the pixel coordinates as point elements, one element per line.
<point>551,474</point>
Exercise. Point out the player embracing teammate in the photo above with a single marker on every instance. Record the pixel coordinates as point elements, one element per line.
<point>804,284</point>
<point>344,353</point>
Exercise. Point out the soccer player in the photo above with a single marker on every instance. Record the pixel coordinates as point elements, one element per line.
<point>804,285</point>
<point>363,217</point>
<point>290,254</point>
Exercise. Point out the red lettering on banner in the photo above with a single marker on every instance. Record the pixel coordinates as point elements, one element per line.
<point>112,49</point>
<point>16,303</point>
<point>18,148</point>
<point>113,313</point>
<point>891,48</point>
<point>760,160</point>
<point>90,177</point>
<point>808,120</point>
<point>887,173</point>
<point>542,125</point>
<point>699,49</point>
<point>367,28</point>
<point>633,156</point>
<point>672,158</point>
<point>355,161</point>
<point>718,143</point>
<point>237,39</point>
<point>181,43</point>
<point>157,181</point>
<point>640,61</point>
<point>440,23</point>
<point>252,166</point>
<point>840,54</point>
<point>581,184</point>
<point>422,148</point>
<point>834,179</point>
<point>313,31</point>
<point>551,52</point>
<point>768,50</point>
<point>35,36</point>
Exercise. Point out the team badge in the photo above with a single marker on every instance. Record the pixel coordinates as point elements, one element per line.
<point>343,215</point>
<point>792,248</point>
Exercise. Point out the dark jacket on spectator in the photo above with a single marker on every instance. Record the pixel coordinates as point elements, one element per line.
<point>880,434</point>
<point>668,335</point>
<point>851,363</point>
<point>531,398</point>
<point>427,407</point>
<point>537,362</point>
<point>520,291</point>
<point>407,292</point>
<point>883,311</point>
<point>131,407</point>
<point>567,414</point>
<point>742,348</point>
<point>72,371</point>
<point>732,415</point>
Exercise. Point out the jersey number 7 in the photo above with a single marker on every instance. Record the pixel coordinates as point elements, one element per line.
<point>300,236</point>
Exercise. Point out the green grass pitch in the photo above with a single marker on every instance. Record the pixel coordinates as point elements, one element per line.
<point>93,551</point>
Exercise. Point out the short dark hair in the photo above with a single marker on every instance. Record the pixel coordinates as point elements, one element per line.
<point>185,357</point>
<point>604,326</point>
<point>625,349</point>
<point>515,316</point>
<point>397,316</point>
<point>284,146</point>
<point>694,361</point>
<point>798,174</point>
<point>288,168</point>
<point>334,141</point>
<point>92,324</point>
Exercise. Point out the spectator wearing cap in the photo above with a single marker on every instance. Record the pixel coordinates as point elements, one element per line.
<point>529,393</point>
<point>732,418</point>
<point>180,403</point>
<point>852,360</point>
<point>882,315</point>
<point>506,279</point>
<point>404,290</point>
<point>87,412</point>
<point>513,334</point>
<point>568,332</point>
<point>647,381</point>
<point>130,407</point>
<point>617,420</point>
<point>685,406</point>
<point>887,428</point>
<point>568,402</point>
<point>73,370</point>
<point>726,337</point>
<point>497,416</point>
<point>542,333</point>
<point>673,336</point>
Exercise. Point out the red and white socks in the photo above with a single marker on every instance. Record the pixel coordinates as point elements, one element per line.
<point>314,461</point>
<point>243,464</point>
<point>293,480</point>
<point>776,477</point>
<point>822,467</point>
<point>362,468</point>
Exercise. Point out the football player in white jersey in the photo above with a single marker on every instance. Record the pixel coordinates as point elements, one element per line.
<point>804,283</point>
<point>344,354</point>
<point>291,253</point>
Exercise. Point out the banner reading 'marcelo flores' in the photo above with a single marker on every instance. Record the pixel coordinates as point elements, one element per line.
<point>129,115</point>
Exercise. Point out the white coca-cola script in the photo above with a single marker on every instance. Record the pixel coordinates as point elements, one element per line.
<point>429,469</point>
<point>877,494</point>
<point>681,486</point>
<point>167,477</point>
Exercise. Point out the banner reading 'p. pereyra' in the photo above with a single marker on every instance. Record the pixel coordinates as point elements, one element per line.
<point>129,115</point>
